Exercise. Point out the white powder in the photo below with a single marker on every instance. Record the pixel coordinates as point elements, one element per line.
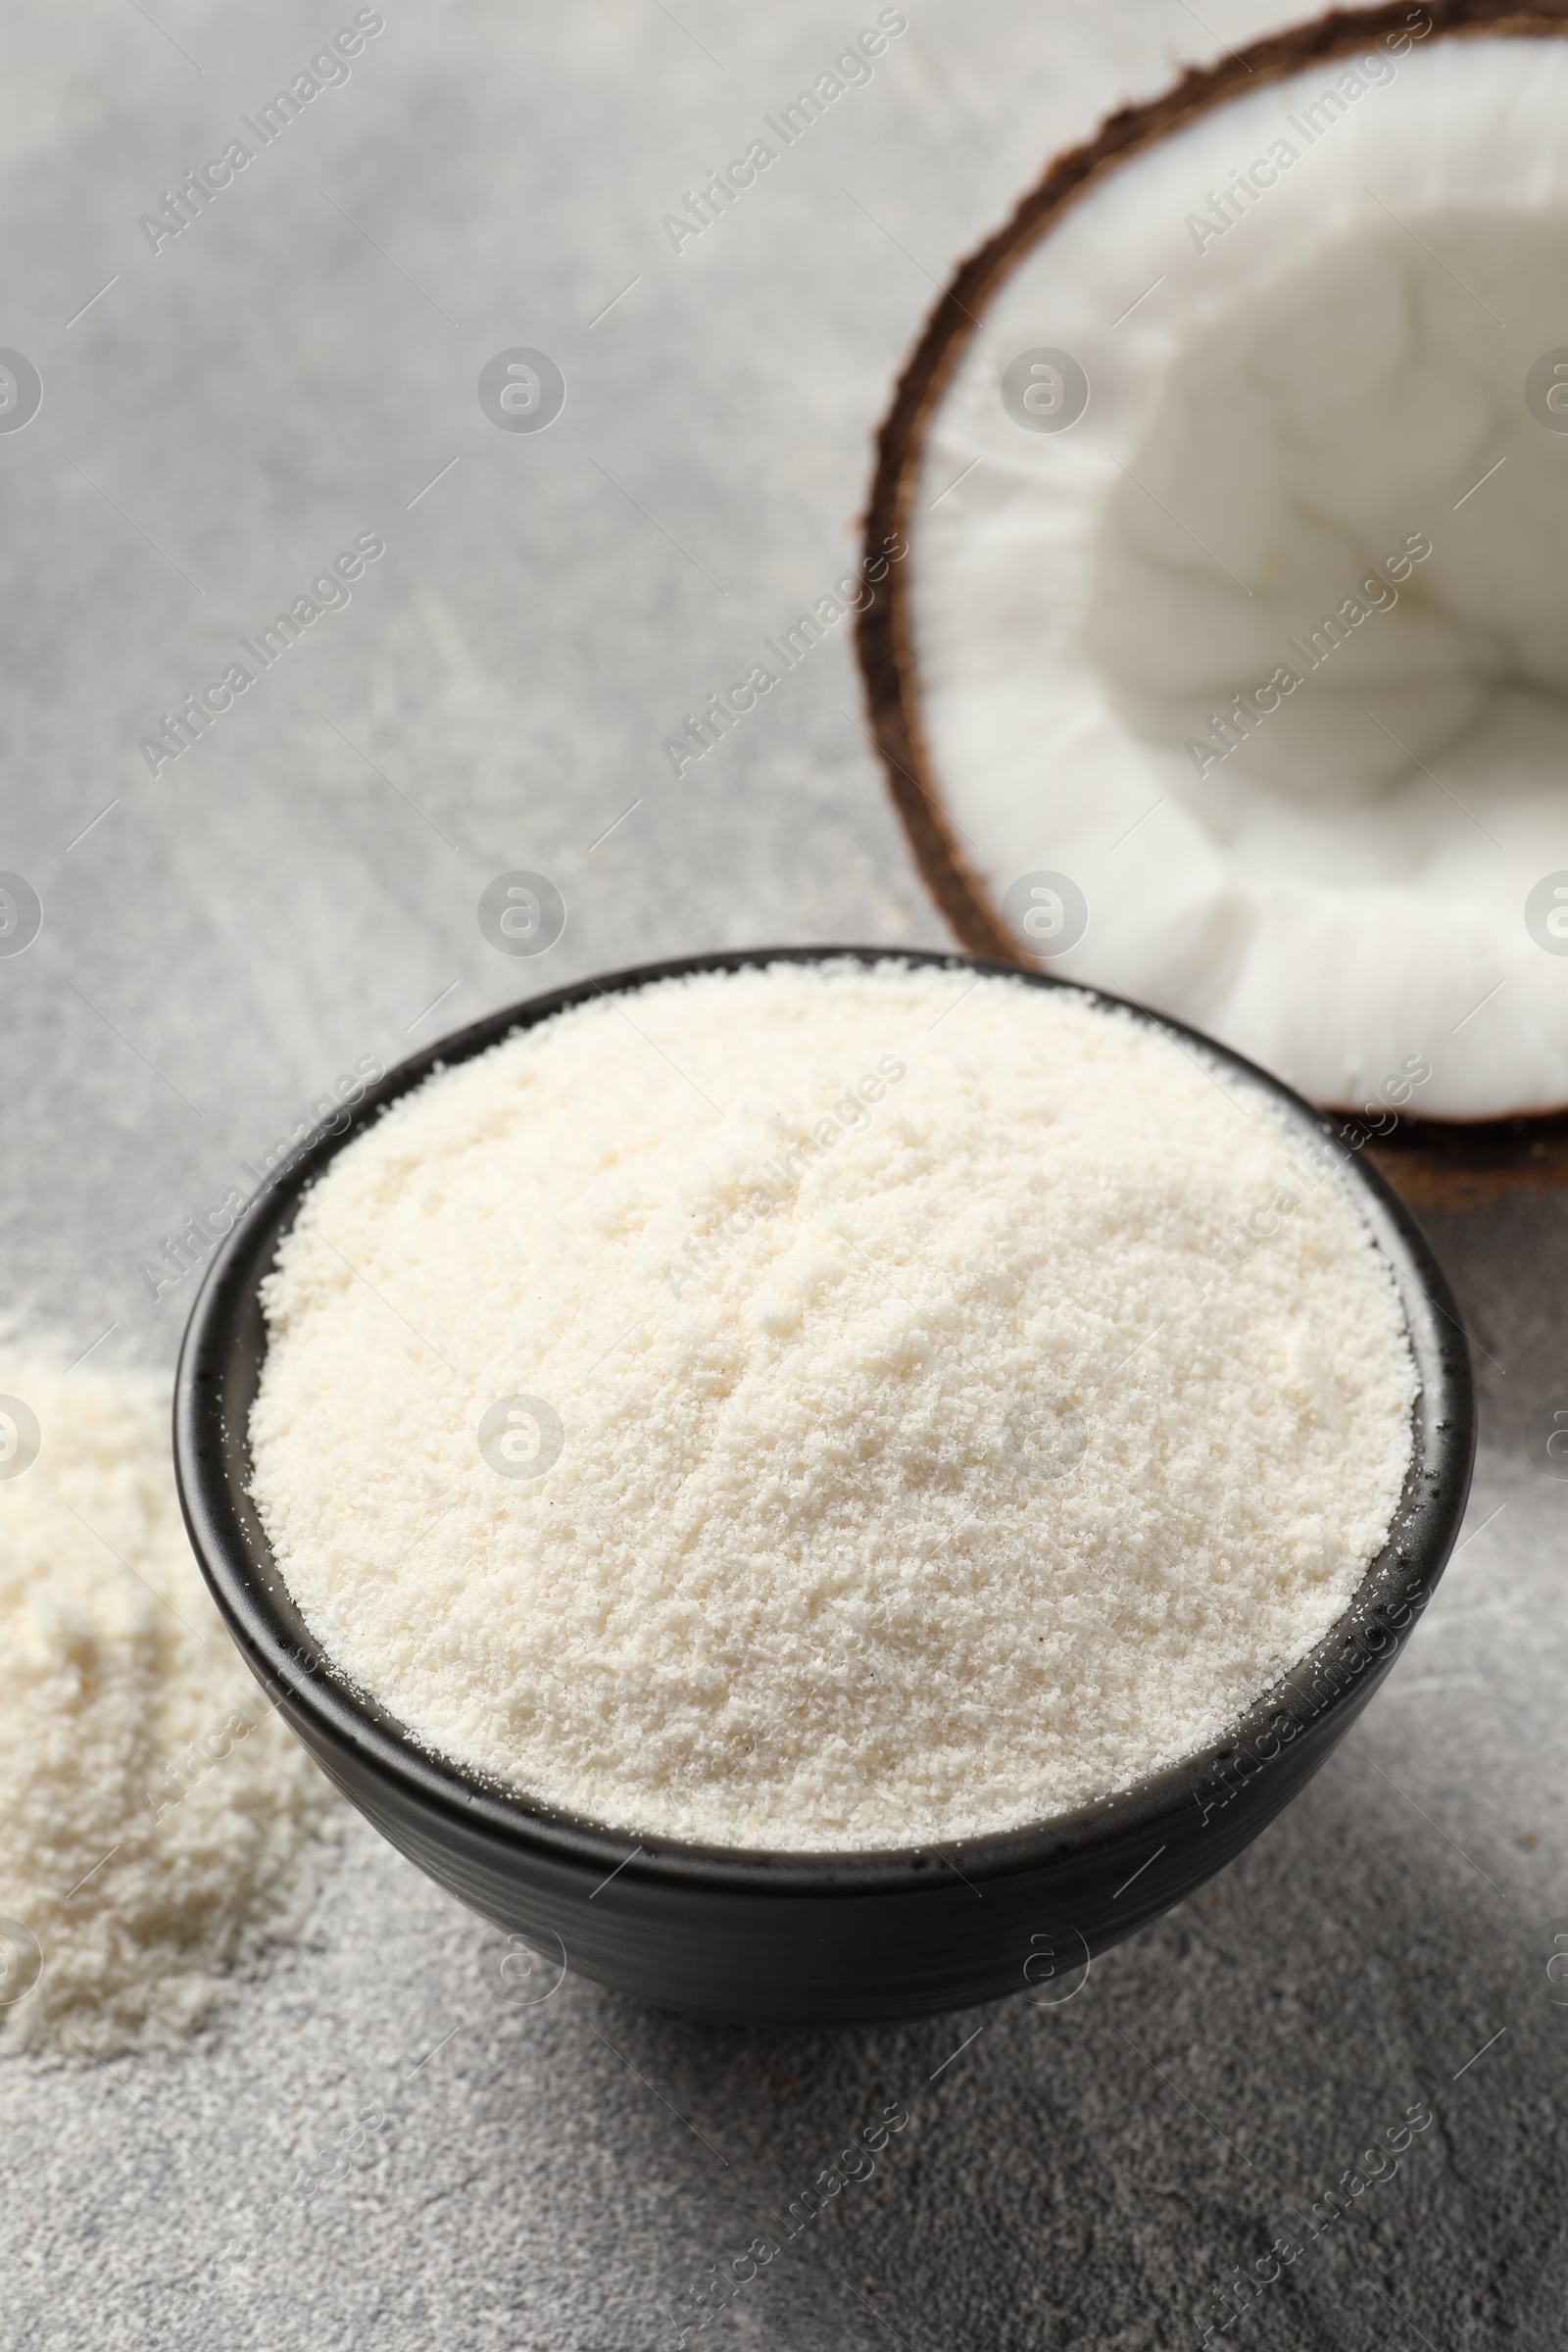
<point>928,1481</point>
<point>153,1808</point>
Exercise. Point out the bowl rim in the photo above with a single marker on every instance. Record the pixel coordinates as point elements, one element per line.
<point>252,1597</point>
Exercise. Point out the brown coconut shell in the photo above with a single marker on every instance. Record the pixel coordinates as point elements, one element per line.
<point>1436,1163</point>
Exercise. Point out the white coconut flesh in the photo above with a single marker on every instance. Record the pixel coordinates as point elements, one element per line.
<point>1311,402</point>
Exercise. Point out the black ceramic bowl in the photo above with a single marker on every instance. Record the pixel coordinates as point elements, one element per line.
<point>721,1932</point>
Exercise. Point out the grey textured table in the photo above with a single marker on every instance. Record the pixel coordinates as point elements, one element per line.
<point>299,367</point>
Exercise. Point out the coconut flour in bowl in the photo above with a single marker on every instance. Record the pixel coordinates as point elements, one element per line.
<point>828,1408</point>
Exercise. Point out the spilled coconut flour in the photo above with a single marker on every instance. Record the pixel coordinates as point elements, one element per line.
<point>153,1812</point>
<point>903,1446</point>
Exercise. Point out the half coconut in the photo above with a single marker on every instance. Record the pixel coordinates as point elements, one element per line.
<point>1228,669</point>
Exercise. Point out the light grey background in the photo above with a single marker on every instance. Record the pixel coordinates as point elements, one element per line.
<point>301,888</point>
